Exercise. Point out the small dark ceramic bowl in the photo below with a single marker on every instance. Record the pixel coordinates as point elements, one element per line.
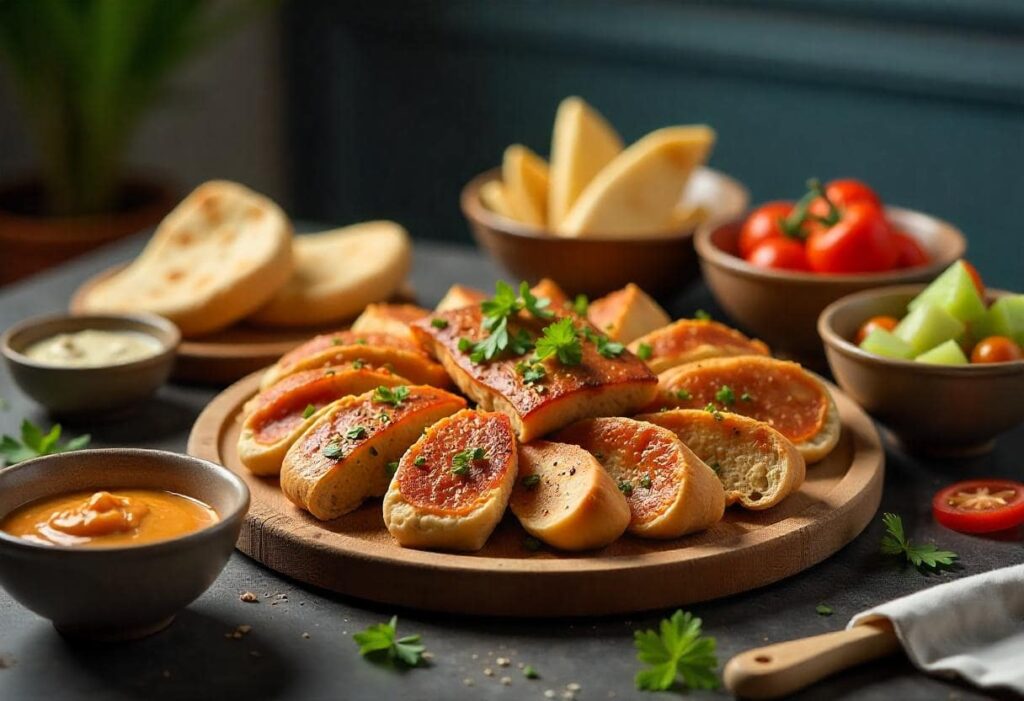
<point>70,391</point>
<point>933,409</point>
<point>661,265</point>
<point>118,593</point>
<point>781,307</point>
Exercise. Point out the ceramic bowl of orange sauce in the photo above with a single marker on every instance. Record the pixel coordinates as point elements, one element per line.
<point>111,544</point>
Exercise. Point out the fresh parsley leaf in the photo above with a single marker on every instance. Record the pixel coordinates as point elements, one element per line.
<point>609,348</point>
<point>701,315</point>
<point>355,433</point>
<point>560,340</point>
<point>626,487</point>
<point>465,345</point>
<point>683,395</point>
<point>391,395</point>
<point>644,351</point>
<point>420,461</point>
<point>823,610</point>
<point>492,345</point>
<point>713,410</point>
<point>581,304</point>
<point>676,649</point>
<point>725,395</point>
<point>463,460</point>
<point>438,323</point>
<point>538,306</point>
<point>926,558</point>
<point>35,443</point>
<point>391,468</point>
<point>308,411</point>
<point>333,450</point>
<point>645,481</point>
<point>521,343</point>
<point>530,481</point>
<point>530,672</point>
<point>532,372</point>
<point>357,364</point>
<point>382,641</point>
<point>502,305</point>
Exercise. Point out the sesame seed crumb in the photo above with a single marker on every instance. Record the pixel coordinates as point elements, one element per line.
<point>573,686</point>
<point>488,672</point>
<point>248,597</point>
<point>507,681</point>
<point>306,636</point>
<point>503,661</point>
<point>549,693</point>
<point>467,681</point>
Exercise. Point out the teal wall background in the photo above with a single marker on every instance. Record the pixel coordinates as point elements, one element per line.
<point>395,104</point>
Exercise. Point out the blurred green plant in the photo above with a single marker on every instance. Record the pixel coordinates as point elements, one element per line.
<point>87,70</point>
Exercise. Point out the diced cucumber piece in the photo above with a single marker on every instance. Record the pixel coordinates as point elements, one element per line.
<point>955,292</point>
<point>948,353</point>
<point>1006,318</point>
<point>928,326</point>
<point>884,343</point>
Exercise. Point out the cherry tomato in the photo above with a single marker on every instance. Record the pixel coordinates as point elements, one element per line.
<point>842,193</point>
<point>886,323</point>
<point>911,253</point>
<point>860,242</point>
<point>781,253</point>
<point>996,349</point>
<point>762,224</point>
<point>976,276</point>
<point>980,506</point>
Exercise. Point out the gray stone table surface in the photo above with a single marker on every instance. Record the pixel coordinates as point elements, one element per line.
<point>301,647</point>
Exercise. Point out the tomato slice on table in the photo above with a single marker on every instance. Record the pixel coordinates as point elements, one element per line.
<point>980,506</point>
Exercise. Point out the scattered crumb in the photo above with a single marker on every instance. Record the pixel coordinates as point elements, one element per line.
<point>488,672</point>
<point>507,681</point>
<point>574,687</point>
<point>306,636</point>
<point>549,693</point>
<point>475,656</point>
<point>428,656</point>
<point>6,662</point>
<point>467,681</point>
<point>503,661</point>
<point>239,632</point>
<point>519,665</point>
<point>248,597</point>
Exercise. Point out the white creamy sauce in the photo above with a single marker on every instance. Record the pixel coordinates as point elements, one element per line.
<point>94,348</point>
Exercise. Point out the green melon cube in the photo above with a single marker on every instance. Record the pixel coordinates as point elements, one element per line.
<point>884,343</point>
<point>948,353</point>
<point>1006,318</point>
<point>928,326</point>
<point>955,292</point>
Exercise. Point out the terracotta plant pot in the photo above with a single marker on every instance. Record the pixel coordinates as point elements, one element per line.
<point>31,242</point>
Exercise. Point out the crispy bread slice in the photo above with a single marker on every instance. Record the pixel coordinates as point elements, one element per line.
<point>565,498</point>
<point>342,458</point>
<point>453,484</point>
<point>627,314</point>
<point>687,340</point>
<point>402,356</point>
<point>550,290</point>
<point>758,466</point>
<point>791,400</point>
<point>460,296</point>
<point>391,319</point>
<point>525,175</point>
<point>276,417</point>
<point>670,491</point>
<point>597,386</point>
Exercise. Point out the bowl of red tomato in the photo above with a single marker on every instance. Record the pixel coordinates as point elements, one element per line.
<point>940,365</point>
<point>776,269</point>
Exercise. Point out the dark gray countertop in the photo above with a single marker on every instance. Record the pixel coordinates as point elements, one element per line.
<point>193,659</point>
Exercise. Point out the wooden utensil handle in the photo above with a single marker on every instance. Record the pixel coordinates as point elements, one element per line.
<point>781,669</point>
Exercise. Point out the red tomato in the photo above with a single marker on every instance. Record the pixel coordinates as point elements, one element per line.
<point>782,253</point>
<point>996,349</point>
<point>763,223</point>
<point>860,242</point>
<point>886,323</point>
<point>911,253</point>
<point>976,276</point>
<point>980,506</point>
<point>843,193</point>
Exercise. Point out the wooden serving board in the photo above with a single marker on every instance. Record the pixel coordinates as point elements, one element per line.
<point>224,356</point>
<point>355,555</point>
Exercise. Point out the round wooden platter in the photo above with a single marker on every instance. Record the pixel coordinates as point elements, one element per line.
<point>224,356</point>
<point>354,555</point>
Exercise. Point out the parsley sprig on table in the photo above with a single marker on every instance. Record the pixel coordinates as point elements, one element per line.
<point>381,641</point>
<point>676,649</point>
<point>925,557</point>
<point>34,443</point>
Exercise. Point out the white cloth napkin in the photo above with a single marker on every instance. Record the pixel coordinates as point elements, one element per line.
<point>971,627</point>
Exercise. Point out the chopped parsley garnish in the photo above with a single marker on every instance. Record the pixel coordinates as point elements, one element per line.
<point>530,481</point>
<point>355,433</point>
<point>581,304</point>
<point>644,351</point>
<point>383,417</point>
<point>502,305</point>
<point>823,610</point>
<point>608,348</point>
<point>701,315</point>
<point>683,395</point>
<point>716,467</point>
<point>334,450</point>
<point>521,343</point>
<point>496,312</point>
<point>465,344</point>
<point>560,340</point>
<point>725,395</point>
<point>746,397</point>
<point>331,373</point>
<point>308,411</point>
<point>391,395</point>
<point>645,481</point>
<point>530,673</point>
<point>335,341</point>
<point>382,641</point>
<point>626,487</point>
<point>439,323</point>
<point>676,649</point>
<point>391,467</point>
<point>492,345</point>
<point>926,558</point>
<point>420,461</point>
<point>532,373</point>
<point>463,460</point>
<point>358,364</point>
<point>361,341</point>
<point>34,443</point>
<point>713,410</point>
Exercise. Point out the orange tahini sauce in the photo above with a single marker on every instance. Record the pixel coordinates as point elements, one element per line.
<point>104,519</point>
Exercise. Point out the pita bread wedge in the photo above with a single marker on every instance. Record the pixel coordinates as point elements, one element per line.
<point>221,254</point>
<point>526,185</point>
<point>492,193</point>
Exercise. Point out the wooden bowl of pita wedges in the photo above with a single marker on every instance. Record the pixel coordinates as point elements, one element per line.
<point>602,214</point>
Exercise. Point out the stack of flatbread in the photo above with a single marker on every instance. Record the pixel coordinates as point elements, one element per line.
<point>597,188</point>
<point>227,253</point>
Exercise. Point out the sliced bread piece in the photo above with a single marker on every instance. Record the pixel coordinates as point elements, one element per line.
<point>460,296</point>
<point>453,484</point>
<point>343,457</point>
<point>670,491</point>
<point>525,175</point>
<point>687,340</point>
<point>627,314</point>
<point>493,195</point>
<point>758,466</point>
<point>565,498</point>
<point>391,319</point>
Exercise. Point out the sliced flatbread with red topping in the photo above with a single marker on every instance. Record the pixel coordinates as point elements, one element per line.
<point>670,491</point>
<point>343,457</point>
<point>687,340</point>
<point>402,356</point>
<point>453,484</point>
<point>627,314</point>
<point>758,466</point>
<point>565,498</point>
<point>791,400</point>
<point>276,417</point>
